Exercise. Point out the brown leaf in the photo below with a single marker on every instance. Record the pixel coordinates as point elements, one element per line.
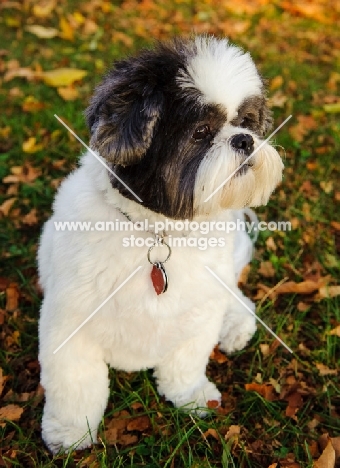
<point>218,356</point>
<point>3,379</point>
<point>267,391</point>
<point>25,173</point>
<point>213,404</point>
<point>11,412</point>
<point>267,270</point>
<point>233,432</point>
<point>7,205</point>
<point>329,291</point>
<point>31,217</point>
<point>335,331</point>
<point>305,287</point>
<point>323,441</point>
<point>327,458</point>
<point>12,297</point>
<point>295,402</point>
<point>325,370</point>
<point>141,423</point>
<point>127,439</point>
<point>212,432</point>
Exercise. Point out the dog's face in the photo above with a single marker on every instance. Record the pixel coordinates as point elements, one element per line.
<point>175,122</point>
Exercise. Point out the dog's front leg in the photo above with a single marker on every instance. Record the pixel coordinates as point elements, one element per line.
<point>181,376</point>
<point>239,324</point>
<point>76,390</point>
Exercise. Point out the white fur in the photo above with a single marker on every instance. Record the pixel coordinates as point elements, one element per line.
<point>173,333</point>
<point>217,69</point>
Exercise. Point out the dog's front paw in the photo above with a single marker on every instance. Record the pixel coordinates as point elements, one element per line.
<point>65,439</point>
<point>238,335</point>
<point>197,401</point>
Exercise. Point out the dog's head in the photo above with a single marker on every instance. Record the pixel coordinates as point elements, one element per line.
<point>177,121</point>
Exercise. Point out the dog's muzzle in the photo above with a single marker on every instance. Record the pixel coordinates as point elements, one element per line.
<point>243,142</point>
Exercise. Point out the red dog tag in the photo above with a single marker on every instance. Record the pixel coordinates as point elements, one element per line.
<point>159,278</point>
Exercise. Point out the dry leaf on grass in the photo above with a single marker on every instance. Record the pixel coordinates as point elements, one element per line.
<point>12,297</point>
<point>41,31</point>
<point>11,413</point>
<point>327,458</point>
<point>218,356</point>
<point>267,270</point>
<point>323,441</point>
<point>324,370</point>
<point>267,391</point>
<point>141,423</point>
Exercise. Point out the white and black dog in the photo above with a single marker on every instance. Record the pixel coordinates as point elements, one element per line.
<point>173,123</point>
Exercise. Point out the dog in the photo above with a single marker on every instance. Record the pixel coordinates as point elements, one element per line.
<point>168,127</point>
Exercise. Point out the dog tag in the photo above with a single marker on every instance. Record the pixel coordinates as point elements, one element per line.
<point>159,278</point>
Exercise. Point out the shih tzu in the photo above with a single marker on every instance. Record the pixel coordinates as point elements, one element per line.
<point>170,126</point>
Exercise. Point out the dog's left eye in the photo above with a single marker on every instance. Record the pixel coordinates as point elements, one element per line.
<point>201,132</point>
<point>247,120</point>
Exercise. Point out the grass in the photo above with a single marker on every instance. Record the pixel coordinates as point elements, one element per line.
<point>303,53</point>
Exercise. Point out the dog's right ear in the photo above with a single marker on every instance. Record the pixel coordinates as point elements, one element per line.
<point>124,111</point>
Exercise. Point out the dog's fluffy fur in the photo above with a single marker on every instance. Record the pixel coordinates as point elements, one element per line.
<point>165,122</point>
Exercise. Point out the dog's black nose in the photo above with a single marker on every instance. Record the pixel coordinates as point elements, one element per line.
<point>243,142</point>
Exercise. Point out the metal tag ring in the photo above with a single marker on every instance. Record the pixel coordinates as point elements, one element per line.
<point>155,245</point>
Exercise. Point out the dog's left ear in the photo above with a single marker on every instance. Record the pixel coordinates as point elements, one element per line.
<point>123,113</point>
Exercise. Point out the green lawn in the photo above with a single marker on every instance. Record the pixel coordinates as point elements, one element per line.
<point>293,399</point>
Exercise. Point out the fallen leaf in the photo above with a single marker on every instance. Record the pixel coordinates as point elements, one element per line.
<point>265,390</point>
<point>265,349</point>
<point>233,432</point>
<point>213,404</point>
<point>31,104</point>
<point>218,356</point>
<point>211,432</point>
<point>127,439</point>
<point>31,145</point>
<point>276,82</point>
<point>324,440</point>
<point>67,32</point>
<point>327,458</point>
<point>25,173</point>
<point>68,93</point>
<point>12,297</point>
<point>295,402</point>
<point>267,270</point>
<point>31,217</point>
<point>141,423</point>
<point>335,331</point>
<point>325,370</point>
<point>42,32</point>
<point>3,379</point>
<point>305,287</point>
<point>11,412</point>
<point>62,76</point>
<point>43,8</point>
<point>329,291</point>
<point>7,205</point>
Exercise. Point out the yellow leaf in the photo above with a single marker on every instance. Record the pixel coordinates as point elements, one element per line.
<point>67,32</point>
<point>43,8</point>
<point>63,76</point>
<point>68,93</point>
<point>11,412</point>
<point>31,146</point>
<point>42,32</point>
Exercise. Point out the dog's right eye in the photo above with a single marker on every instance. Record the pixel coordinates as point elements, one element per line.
<point>201,132</point>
